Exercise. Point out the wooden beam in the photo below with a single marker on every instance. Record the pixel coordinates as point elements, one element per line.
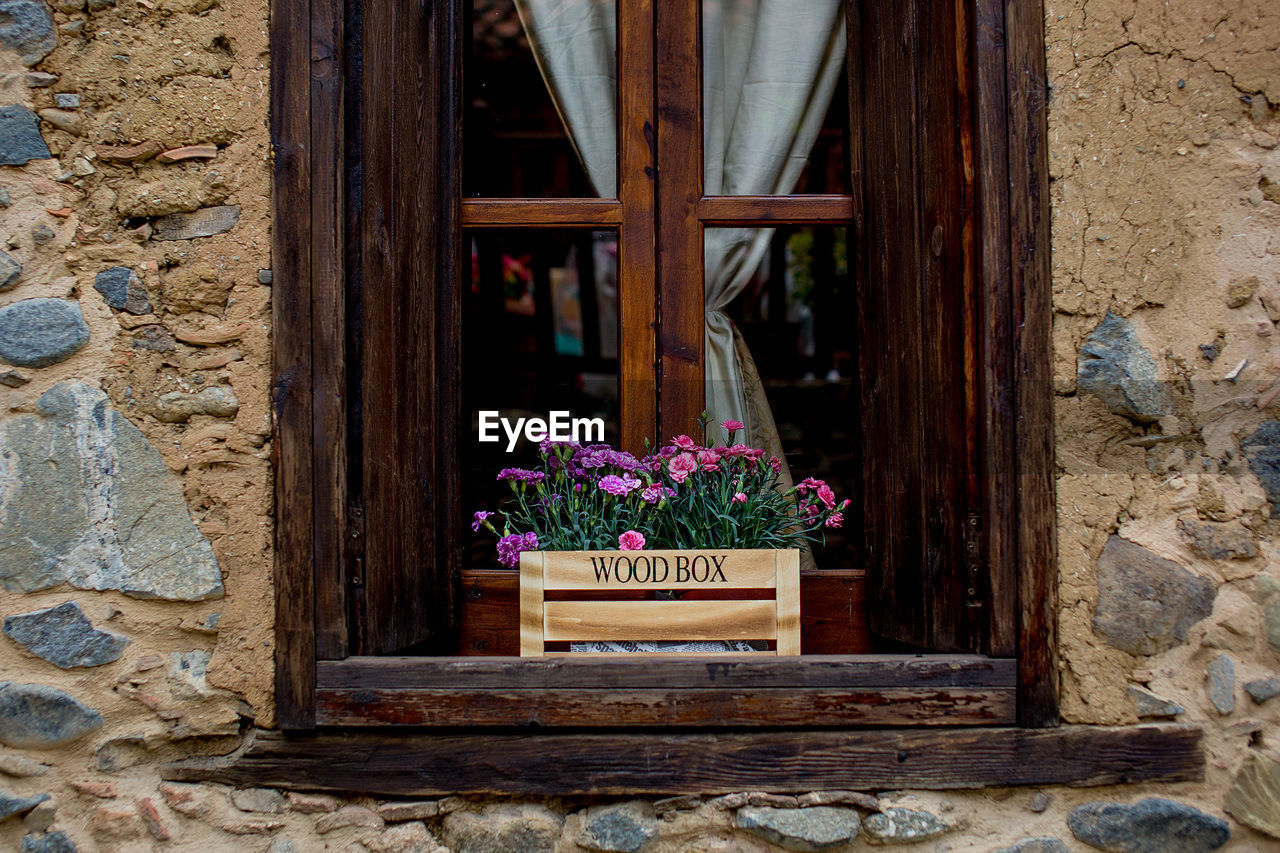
<point>291,397</point>
<point>750,211</point>
<point>650,763</point>
<point>541,213</point>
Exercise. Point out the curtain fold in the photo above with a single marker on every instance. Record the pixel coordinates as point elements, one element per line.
<point>769,70</point>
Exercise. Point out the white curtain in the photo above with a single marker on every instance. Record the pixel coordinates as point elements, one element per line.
<point>769,69</point>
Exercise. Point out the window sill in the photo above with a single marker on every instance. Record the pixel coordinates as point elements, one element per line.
<point>409,763</point>
<point>814,690</point>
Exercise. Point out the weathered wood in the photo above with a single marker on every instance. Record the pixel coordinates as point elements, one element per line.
<point>644,672</point>
<point>660,620</point>
<point>329,328</point>
<point>541,213</point>
<point>746,211</point>
<point>697,763</point>
<point>788,706</point>
<point>291,364</point>
<point>1033,367</point>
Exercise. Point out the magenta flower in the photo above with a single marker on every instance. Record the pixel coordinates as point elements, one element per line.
<point>835,519</point>
<point>654,493</point>
<point>827,496</point>
<point>478,519</point>
<point>682,466</point>
<point>732,426</point>
<point>708,459</point>
<point>739,498</point>
<point>631,541</point>
<point>521,475</point>
<point>776,464</point>
<point>509,548</point>
<point>684,442</point>
<point>619,486</point>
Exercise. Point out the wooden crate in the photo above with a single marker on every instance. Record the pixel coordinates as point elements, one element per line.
<point>580,596</point>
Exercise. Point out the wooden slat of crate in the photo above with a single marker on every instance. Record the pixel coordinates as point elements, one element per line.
<point>787,572</point>
<point>658,620</point>
<point>531,605</point>
<point>572,570</point>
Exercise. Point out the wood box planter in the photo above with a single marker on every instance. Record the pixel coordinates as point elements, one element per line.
<point>581,596</point>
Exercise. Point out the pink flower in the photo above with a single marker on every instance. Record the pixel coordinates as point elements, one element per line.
<point>620,486</point>
<point>708,459</point>
<point>682,466</point>
<point>735,450</point>
<point>827,496</point>
<point>654,493</point>
<point>684,442</point>
<point>732,427</point>
<point>739,498</point>
<point>478,519</point>
<point>631,541</point>
<point>835,519</point>
<point>509,548</point>
<point>776,464</point>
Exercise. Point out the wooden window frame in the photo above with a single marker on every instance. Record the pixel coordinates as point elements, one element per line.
<point>1012,698</point>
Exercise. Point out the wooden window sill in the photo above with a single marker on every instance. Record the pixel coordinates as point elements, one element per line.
<point>814,690</point>
<point>414,763</point>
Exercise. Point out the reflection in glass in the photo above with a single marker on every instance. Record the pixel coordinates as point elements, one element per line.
<point>795,343</point>
<point>514,142</point>
<point>540,334</point>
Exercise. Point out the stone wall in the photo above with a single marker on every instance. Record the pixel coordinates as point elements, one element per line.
<point>135,486</point>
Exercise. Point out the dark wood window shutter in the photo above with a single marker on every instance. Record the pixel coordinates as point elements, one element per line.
<point>912,152</point>
<point>406,280</point>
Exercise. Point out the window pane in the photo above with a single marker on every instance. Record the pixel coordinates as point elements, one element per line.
<point>790,295</point>
<point>775,105</point>
<point>515,143</point>
<point>540,334</point>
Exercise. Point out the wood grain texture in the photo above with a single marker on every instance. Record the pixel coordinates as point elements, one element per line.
<point>660,620</point>
<point>787,603</point>
<point>642,672</point>
<point>745,211</point>
<point>1033,354</point>
<point>541,213</point>
<point>642,763</point>
<point>789,706</point>
<point>532,617</point>
<point>291,403</point>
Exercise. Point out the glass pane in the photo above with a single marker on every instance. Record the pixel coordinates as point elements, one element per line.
<point>515,143</point>
<point>540,335</point>
<point>790,295</point>
<point>775,105</point>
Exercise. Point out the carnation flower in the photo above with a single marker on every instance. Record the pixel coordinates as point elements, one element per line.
<point>708,459</point>
<point>732,426</point>
<point>654,493</point>
<point>510,546</point>
<point>776,464</point>
<point>684,442</point>
<point>739,498</point>
<point>619,486</point>
<point>480,518</point>
<point>517,475</point>
<point>827,496</point>
<point>682,466</point>
<point>631,541</point>
<point>835,519</point>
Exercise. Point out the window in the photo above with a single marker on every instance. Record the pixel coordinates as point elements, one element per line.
<point>949,361</point>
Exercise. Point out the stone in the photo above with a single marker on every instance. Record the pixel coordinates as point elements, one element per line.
<point>64,636</point>
<point>186,799</point>
<point>1262,449</point>
<point>50,842</point>
<point>396,812</point>
<point>64,120</point>
<point>264,276</point>
<point>1216,541</point>
<point>122,290</point>
<point>861,799</point>
<point>205,222</point>
<point>213,336</point>
<point>1153,825</point>
<point>503,828</point>
<point>816,828</point>
<point>1146,603</point>
<point>13,379</point>
<point>179,406</point>
<point>726,802</point>
<point>152,820</point>
<point>10,272</point>
<point>90,502</point>
<point>618,828</point>
<point>316,804</point>
<point>1254,798</point>
<point>34,716</point>
<point>40,79</point>
<point>66,101</point>
<point>404,838</point>
<point>11,805</point>
<point>1240,291</point>
<point>41,817</point>
<point>777,801</point>
<point>129,153</point>
<point>121,753</point>
<point>1116,369</point>
<point>19,136</point>
<point>251,826</point>
<point>1047,844</point>
<point>40,332</point>
<point>1272,617</point>
<point>903,826</point>
<point>154,338</point>
<point>42,234</point>
<point>95,788</point>
<point>1148,704</point>
<point>21,768</point>
<point>282,845</point>
<point>26,27</point>
<point>266,800</point>
<point>188,152</point>
<point>348,816</point>
<point>1220,684</point>
<point>1260,691</point>
<point>1040,803</point>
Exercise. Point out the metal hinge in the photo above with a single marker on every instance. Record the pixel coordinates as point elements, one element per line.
<point>973,594</point>
<point>355,544</point>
